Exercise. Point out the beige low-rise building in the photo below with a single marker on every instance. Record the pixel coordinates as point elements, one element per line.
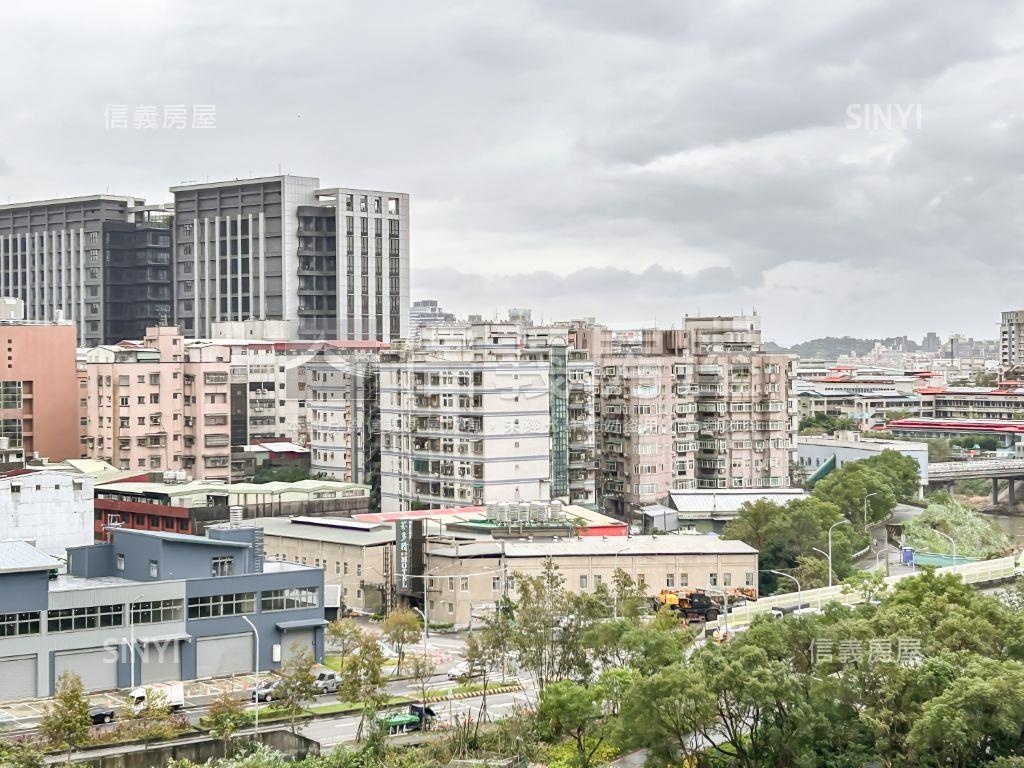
<point>356,556</point>
<point>466,578</point>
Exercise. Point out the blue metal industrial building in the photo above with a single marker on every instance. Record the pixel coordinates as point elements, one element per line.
<point>149,607</point>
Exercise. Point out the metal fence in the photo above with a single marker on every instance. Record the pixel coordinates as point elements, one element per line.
<point>972,573</point>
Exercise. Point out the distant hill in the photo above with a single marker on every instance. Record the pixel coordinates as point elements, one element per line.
<point>831,347</point>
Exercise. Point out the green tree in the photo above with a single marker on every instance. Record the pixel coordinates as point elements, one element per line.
<point>363,680</point>
<point>225,717</point>
<point>849,486</point>
<point>665,711</point>
<point>154,720</point>
<point>939,449</point>
<point>977,718</point>
<point>422,669</point>
<point>296,687</point>
<point>20,753</point>
<point>66,723</point>
<point>343,636</point>
<point>577,711</point>
<point>900,471</point>
<point>401,628</point>
<point>753,523</point>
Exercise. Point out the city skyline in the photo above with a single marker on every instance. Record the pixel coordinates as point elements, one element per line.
<point>687,165</point>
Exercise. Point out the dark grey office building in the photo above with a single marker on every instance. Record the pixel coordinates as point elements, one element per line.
<point>334,262</point>
<point>102,261</point>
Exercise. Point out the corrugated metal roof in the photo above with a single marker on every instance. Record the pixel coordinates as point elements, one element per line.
<point>18,556</point>
<point>668,544</point>
<point>319,529</point>
<point>728,501</point>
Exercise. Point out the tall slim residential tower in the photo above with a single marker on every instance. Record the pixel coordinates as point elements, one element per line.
<point>334,262</point>
<point>102,261</point>
<point>1011,338</point>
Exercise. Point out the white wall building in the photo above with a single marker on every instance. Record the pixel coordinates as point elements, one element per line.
<point>50,510</point>
<point>464,426</point>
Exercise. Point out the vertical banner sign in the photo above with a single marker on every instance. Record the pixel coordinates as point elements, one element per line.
<point>404,552</point>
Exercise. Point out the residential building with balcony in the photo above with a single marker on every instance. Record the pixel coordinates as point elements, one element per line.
<point>699,408</point>
<point>149,607</point>
<point>464,423</point>
<point>333,262</point>
<point>344,420</point>
<point>160,404</point>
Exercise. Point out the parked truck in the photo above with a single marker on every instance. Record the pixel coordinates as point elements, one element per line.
<point>173,696</point>
<point>691,604</point>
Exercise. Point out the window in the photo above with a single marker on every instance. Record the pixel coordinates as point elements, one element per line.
<point>337,567</point>
<point>598,579</point>
<point>495,583</point>
<point>12,624</point>
<point>10,394</point>
<point>154,569</point>
<point>670,580</point>
<point>727,579</point>
<point>120,562</point>
<point>748,579</point>
<point>451,583</point>
<point>583,581</point>
<point>157,611</point>
<point>464,584</point>
<point>713,579</point>
<point>211,606</point>
<point>92,617</point>
<point>641,580</point>
<point>223,565</point>
<point>684,579</point>
<point>289,599</point>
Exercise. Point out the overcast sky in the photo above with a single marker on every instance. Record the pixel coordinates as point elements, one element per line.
<point>633,161</point>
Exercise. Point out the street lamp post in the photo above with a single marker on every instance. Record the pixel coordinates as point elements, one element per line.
<point>424,617</point>
<point>256,636</point>
<point>131,634</point>
<point>953,543</point>
<point>875,493</point>
<point>832,528</point>
<point>799,591</point>
<point>615,570</point>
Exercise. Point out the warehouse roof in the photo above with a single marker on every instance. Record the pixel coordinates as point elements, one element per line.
<point>590,546</point>
<point>337,530</point>
<point>199,487</point>
<point>728,502</point>
<point>18,556</point>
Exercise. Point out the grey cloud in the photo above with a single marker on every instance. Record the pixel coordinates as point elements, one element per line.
<point>614,158</point>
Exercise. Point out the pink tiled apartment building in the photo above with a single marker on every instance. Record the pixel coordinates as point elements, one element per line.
<point>160,405</point>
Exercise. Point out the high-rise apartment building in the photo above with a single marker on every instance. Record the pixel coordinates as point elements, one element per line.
<point>465,424</point>
<point>479,412</point>
<point>344,420</point>
<point>39,389</point>
<point>333,261</point>
<point>1011,338</point>
<point>703,407</point>
<point>101,261</point>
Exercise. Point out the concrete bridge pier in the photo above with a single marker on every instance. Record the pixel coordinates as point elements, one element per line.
<point>995,491</point>
<point>1010,492</point>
